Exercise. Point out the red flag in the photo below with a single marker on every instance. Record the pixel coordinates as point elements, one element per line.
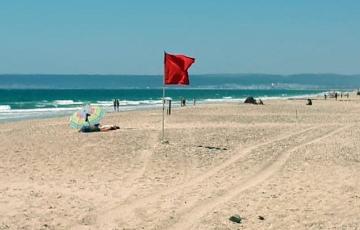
<point>176,67</point>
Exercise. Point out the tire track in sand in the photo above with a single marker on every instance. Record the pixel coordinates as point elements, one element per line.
<point>126,210</point>
<point>145,157</point>
<point>193,215</point>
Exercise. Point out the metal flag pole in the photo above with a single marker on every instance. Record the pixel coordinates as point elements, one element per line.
<point>163,102</point>
<point>163,116</point>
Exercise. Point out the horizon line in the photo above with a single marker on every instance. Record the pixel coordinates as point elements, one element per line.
<point>197,74</point>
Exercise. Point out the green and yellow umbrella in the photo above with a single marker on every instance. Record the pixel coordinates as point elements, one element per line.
<point>88,115</point>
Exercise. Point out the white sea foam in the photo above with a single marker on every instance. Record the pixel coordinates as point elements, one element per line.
<point>141,102</point>
<point>150,102</point>
<point>129,102</point>
<point>39,110</point>
<point>104,103</point>
<point>20,114</point>
<point>67,102</point>
<point>5,107</point>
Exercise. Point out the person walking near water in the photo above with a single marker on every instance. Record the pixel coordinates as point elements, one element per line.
<point>117,105</point>
<point>183,101</point>
<point>114,104</point>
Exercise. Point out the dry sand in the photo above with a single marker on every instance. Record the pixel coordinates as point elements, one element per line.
<point>222,159</point>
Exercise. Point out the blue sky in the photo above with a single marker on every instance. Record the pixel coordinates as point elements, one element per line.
<point>228,36</point>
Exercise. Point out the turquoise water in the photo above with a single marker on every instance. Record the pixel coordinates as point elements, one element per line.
<point>42,98</point>
<point>37,96</point>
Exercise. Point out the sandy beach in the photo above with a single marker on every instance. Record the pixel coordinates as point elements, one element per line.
<point>283,165</point>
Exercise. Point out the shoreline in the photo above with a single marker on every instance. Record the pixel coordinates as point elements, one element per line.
<point>35,114</point>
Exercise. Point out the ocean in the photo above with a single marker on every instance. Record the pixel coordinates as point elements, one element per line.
<point>43,96</point>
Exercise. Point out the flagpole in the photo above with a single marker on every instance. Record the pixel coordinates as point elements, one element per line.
<point>163,101</point>
<point>163,116</point>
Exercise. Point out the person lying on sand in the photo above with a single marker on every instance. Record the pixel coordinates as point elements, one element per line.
<point>98,128</point>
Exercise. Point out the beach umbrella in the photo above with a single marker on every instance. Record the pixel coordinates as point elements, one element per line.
<point>88,115</point>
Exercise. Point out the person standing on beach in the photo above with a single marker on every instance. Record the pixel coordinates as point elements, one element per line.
<point>117,105</point>
<point>183,101</point>
<point>114,104</point>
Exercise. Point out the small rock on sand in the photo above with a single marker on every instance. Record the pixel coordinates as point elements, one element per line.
<point>235,218</point>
